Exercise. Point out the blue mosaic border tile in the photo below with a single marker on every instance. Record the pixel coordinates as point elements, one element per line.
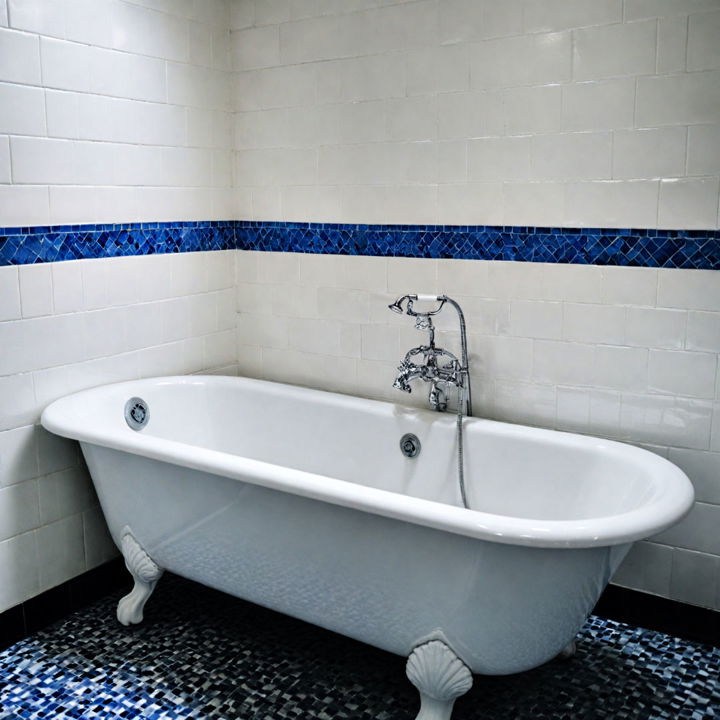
<point>28,245</point>
<point>693,249</point>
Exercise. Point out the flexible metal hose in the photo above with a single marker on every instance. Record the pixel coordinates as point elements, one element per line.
<point>464,398</point>
<point>467,391</point>
<point>461,471</point>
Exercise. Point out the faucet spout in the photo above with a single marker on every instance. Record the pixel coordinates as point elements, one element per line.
<point>407,371</point>
<point>438,397</point>
<point>400,383</point>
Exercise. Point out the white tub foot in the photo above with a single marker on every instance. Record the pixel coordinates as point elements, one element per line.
<point>440,676</point>
<point>568,651</point>
<point>145,572</point>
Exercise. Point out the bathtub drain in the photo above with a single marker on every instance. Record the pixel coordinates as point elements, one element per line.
<point>137,413</point>
<point>410,445</point>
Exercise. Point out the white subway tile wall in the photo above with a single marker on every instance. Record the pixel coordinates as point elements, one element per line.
<point>599,114</point>
<point>561,113</point>
<point>71,325</point>
<point>585,113</point>
<point>115,111</point>
<point>629,354</point>
<point>109,111</point>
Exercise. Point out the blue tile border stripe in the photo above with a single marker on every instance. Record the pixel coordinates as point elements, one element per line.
<point>28,245</point>
<point>694,249</point>
<point>697,249</point>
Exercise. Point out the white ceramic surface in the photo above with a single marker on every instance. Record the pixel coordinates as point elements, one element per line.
<point>300,500</point>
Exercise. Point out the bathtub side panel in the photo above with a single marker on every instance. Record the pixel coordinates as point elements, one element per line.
<point>391,584</point>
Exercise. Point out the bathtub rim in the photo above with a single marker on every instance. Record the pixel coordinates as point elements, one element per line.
<point>662,511</point>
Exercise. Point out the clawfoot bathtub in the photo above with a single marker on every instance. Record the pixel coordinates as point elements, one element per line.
<point>302,501</point>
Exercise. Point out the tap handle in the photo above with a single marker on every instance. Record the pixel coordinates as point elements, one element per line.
<point>426,298</point>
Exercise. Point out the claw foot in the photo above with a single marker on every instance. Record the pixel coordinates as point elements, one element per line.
<point>146,574</point>
<point>440,676</point>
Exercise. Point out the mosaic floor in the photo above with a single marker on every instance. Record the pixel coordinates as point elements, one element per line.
<point>201,654</point>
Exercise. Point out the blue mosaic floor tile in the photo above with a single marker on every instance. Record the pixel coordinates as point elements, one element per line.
<point>202,654</point>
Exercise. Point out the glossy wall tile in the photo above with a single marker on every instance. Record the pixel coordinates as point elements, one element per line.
<point>542,114</point>
<point>627,353</point>
<point>588,246</point>
<point>486,113</point>
<point>70,325</point>
<point>175,128</point>
<point>114,112</point>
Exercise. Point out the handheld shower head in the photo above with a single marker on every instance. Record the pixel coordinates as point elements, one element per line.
<point>397,307</point>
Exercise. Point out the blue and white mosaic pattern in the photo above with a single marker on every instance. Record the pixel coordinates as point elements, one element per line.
<point>202,654</point>
<point>698,249</point>
<point>27,245</point>
<point>695,249</point>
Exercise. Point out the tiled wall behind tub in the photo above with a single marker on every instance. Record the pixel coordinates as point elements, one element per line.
<point>110,111</point>
<point>600,113</point>
<point>628,353</point>
<point>597,113</point>
<point>69,325</point>
<point>114,111</point>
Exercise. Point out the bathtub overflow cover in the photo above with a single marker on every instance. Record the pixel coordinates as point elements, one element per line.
<point>137,413</point>
<point>410,445</point>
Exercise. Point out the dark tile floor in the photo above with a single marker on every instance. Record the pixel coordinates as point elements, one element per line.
<point>202,654</point>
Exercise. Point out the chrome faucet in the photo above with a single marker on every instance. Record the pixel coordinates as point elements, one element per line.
<point>436,366</point>
<point>439,367</point>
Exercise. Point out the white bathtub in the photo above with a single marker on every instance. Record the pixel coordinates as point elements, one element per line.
<point>301,501</point>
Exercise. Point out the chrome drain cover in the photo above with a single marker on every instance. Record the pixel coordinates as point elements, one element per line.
<point>137,413</point>
<point>410,445</point>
